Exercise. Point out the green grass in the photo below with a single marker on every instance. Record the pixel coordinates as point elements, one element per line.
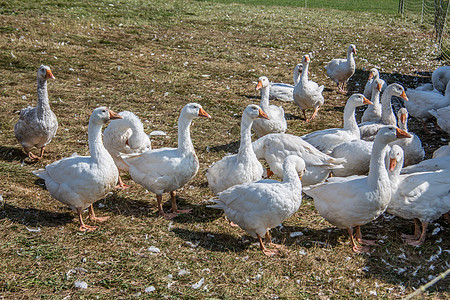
<point>163,49</point>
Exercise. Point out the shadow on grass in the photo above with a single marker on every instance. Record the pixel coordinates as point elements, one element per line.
<point>11,154</point>
<point>231,147</point>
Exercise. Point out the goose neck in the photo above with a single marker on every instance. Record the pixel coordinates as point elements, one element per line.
<point>387,115</point>
<point>349,119</point>
<point>42,94</point>
<point>375,97</point>
<point>377,169</point>
<point>184,135</point>
<point>264,104</point>
<point>304,76</point>
<point>246,135</point>
<point>290,175</point>
<point>96,148</point>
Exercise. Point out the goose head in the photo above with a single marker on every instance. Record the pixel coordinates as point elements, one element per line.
<point>378,84</point>
<point>263,82</point>
<point>102,115</point>
<point>254,112</point>
<point>402,116</point>
<point>298,162</point>
<point>373,73</point>
<point>358,100</point>
<point>390,133</point>
<point>396,89</point>
<point>305,59</point>
<point>193,110</point>
<point>351,49</point>
<point>44,73</point>
<point>395,157</point>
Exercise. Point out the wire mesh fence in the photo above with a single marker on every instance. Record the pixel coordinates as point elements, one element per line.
<point>435,13</point>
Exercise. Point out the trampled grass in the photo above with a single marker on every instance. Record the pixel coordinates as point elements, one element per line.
<point>152,58</point>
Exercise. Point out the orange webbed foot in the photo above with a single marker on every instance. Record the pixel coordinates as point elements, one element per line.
<point>87,228</point>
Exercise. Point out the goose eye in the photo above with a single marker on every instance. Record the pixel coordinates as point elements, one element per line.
<point>103,110</point>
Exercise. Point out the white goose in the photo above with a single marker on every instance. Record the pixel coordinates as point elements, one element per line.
<point>441,162</point>
<point>440,78</point>
<point>284,91</point>
<point>325,140</point>
<point>373,75</point>
<point>259,206</point>
<point>442,116</point>
<point>79,181</point>
<point>276,122</point>
<point>368,130</point>
<point>423,196</point>
<point>341,69</point>
<point>165,170</point>
<point>358,201</point>
<point>241,167</point>
<point>442,151</point>
<point>357,155</point>
<point>37,125</point>
<point>125,136</point>
<point>412,147</point>
<point>307,93</point>
<point>275,147</point>
<point>373,112</point>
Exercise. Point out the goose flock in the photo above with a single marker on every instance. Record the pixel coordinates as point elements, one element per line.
<point>354,174</point>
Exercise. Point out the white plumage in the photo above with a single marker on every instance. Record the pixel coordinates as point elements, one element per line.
<point>442,116</point>
<point>285,91</point>
<point>373,111</point>
<point>341,69</point>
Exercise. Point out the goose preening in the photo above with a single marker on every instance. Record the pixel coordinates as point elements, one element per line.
<point>412,147</point>
<point>373,76</point>
<point>165,170</point>
<point>285,91</point>
<point>442,116</point>
<point>307,93</point>
<point>440,77</point>
<point>259,206</point>
<point>37,125</point>
<point>423,197</point>
<point>275,147</point>
<point>276,121</point>
<point>241,167</point>
<point>325,140</point>
<point>360,200</point>
<point>126,136</point>
<point>373,111</point>
<point>368,130</point>
<point>341,69</point>
<point>79,181</point>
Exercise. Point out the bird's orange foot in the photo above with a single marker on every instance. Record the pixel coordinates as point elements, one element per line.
<point>87,228</point>
<point>277,246</point>
<point>360,249</point>
<point>367,242</point>
<point>122,186</point>
<point>270,252</point>
<point>232,224</point>
<point>98,219</point>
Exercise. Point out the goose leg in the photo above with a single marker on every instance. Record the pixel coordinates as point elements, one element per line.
<point>121,184</point>
<point>174,208</point>
<point>42,152</point>
<point>313,115</point>
<point>84,227</point>
<point>267,252</point>
<point>268,240</point>
<point>92,216</point>
<point>416,234</point>
<point>421,238</point>
<point>161,210</point>
<point>360,240</point>
<point>304,114</point>
<point>30,155</point>
<point>355,247</point>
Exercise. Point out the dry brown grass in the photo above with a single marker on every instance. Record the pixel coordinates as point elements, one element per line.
<point>150,59</point>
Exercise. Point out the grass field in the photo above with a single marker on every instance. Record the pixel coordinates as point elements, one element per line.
<point>152,58</point>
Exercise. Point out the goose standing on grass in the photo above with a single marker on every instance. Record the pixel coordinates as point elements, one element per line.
<point>37,125</point>
<point>373,112</point>
<point>275,147</point>
<point>440,77</point>
<point>125,136</point>
<point>325,140</point>
<point>358,201</point>
<point>276,121</point>
<point>422,196</point>
<point>79,181</point>
<point>442,116</point>
<point>307,93</point>
<point>165,170</point>
<point>341,69</point>
<point>412,147</point>
<point>368,130</point>
<point>285,91</point>
<point>241,167</point>
<point>373,76</point>
<point>259,206</point>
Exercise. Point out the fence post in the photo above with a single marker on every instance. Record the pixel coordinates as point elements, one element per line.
<point>400,7</point>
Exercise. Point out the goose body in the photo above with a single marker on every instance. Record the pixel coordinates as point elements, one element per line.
<point>307,93</point>
<point>37,125</point>
<point>276,121</point>
<point>420,196</point>
<point>165,170</point>
<point>442,116</point>
<point>325,140</point>
<point>373,111</point>
<point>360,200</point>
<point>241,167</point>
<point>368,130</point>
<point>285,91</point>
<point>79,181</point>
<point>274,148</point>
<point>341,69</point>
<point>429,165</point>
<point>442,151</point>
<point>259,206</point>
<point>357,155</point>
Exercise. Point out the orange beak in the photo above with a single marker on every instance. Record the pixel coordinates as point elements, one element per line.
<point>403,95</point>
<point>203,113</point>
<point>263,115</point>
<point>259,85</point>
<point>306,58</point>
<point>379,87</point>
<point>401,134</point>
<point>367,101</point>
<point>114,116</point>
<point>354,50</point>
<point>403,118</point>
<point>371,75</point>
<point>49,74</point>
<point>392,164</point>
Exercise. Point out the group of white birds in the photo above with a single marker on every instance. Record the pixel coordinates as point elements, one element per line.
<point>366,159</point>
